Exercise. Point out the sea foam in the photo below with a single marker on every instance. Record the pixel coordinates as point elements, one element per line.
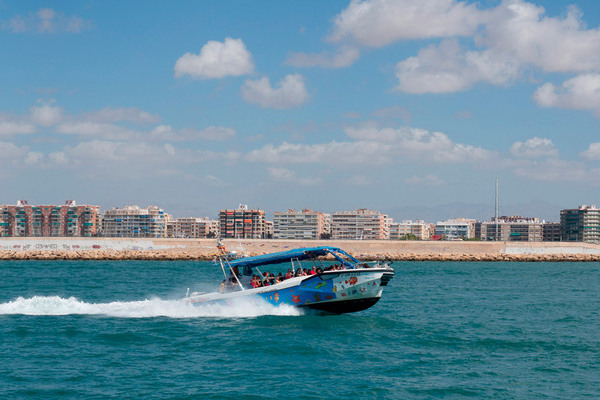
<point>55,305</point>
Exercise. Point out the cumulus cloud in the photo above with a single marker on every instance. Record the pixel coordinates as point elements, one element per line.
<point>9,128</point>
<point>581,92</point>
<point>289,93</point>
<point>343,57</point>
<point>97,130</point>
<point>166,132</point>
<point>449,68</point>
<point>281,174</point>
<point>534,147</point>
<point>46,115</point>
<point>46,20</point>
<point>216,60</point>
<point>564,44</point>
<point>377,23</point>
<point>593,152</point>
<point>132,114</point>
<point>420,144</point>
<point>337,153</point>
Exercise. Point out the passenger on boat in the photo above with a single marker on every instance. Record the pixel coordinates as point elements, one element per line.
<point>289,274</point>
<point>298,272</point>
<point>313,271</point>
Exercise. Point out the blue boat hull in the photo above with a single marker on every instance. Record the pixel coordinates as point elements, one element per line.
<point>332,291</point>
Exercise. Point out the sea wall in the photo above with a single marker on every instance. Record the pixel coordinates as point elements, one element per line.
<point>204,249</point>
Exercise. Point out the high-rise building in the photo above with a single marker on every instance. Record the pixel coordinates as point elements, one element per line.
<point>580,224</point>
<point>361,224</point>
<point>304,224</point>
<point>513,229</point>
<point>551,232</point>
<point>68,220</point>
<point>133,221</point>
<point>192,227</point>
<point>456,229</point>
<point>407,229</point>
<point>242,223</point>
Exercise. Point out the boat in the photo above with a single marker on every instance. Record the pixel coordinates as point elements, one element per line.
<point>344,286</point>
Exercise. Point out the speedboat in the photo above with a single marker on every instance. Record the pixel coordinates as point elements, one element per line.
<point>346,285</point>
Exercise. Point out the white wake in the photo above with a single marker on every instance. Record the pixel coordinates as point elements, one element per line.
<point>55,305</point>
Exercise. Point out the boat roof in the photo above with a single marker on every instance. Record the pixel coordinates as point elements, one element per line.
<point>303,253</point>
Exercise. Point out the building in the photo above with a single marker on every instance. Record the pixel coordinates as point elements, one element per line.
<point>361,224</point>
<point>417,230</point>
<point>68,220</point>
<point>242,223</point>
<point>192,227</point>
<point>304,224</point>
<point>513,229</point>
<point>551,232</point>
<point>133,221</point>
<point>580,224</point>
<point>455,229</point>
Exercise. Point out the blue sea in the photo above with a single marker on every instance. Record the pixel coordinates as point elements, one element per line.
<point>118,329</point>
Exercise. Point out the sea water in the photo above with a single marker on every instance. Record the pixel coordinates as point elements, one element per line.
<point>97,330</point>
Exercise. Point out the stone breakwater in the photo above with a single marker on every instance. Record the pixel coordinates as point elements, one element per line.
<point>204,249</point>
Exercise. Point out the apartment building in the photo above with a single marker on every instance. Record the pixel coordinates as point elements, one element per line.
<point>513,229</point>
<point>133,221</point>
<point>361,224</point>
<point>303,224</point>
<point>68,220</point>
<point>418,230</point>
<point>192,227</point>
<point>580,224</point>
<point>551,232</point>
<point>242,223</point>
<point>455,229</point>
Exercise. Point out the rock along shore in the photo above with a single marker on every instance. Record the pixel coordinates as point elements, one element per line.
<point>204,249</point>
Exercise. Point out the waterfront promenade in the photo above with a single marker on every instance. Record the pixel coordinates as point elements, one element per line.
<point>204,249</point>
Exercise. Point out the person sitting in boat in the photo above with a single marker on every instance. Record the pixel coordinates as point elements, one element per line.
<point>304,272</point>
<point>289,274</point>
<point>313,271</point>
<point>279,279</point>
<point>298,272</point>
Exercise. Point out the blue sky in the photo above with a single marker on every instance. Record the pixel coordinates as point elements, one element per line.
<point>401,106</point>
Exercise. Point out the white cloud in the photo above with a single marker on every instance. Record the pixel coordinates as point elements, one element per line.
<point>581,92</point>
<point>58,157</point>
<point>97,130</point>
<point>281,174</point>
<point>132,114</point>
<point>9,128</point>
<point>343,57</point>
<point>534,147</point>
<point>46,20</point>
<point>216,60</point>
<point>336,153</point>
<point>34,157</point>
<point>419,144</point>
<point>46,115</point>
<point>427,180</point>
<point>215,133</point>
<point>448,68</point>
<point>593,152</point>
<point>289,93</point>
<point>11,152</point>
<point>377,23</point>
<point>554,44</point>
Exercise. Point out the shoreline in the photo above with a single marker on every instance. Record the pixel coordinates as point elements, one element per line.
<point>205,249</point>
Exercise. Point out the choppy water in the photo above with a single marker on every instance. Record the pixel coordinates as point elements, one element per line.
<point>83,329</point>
